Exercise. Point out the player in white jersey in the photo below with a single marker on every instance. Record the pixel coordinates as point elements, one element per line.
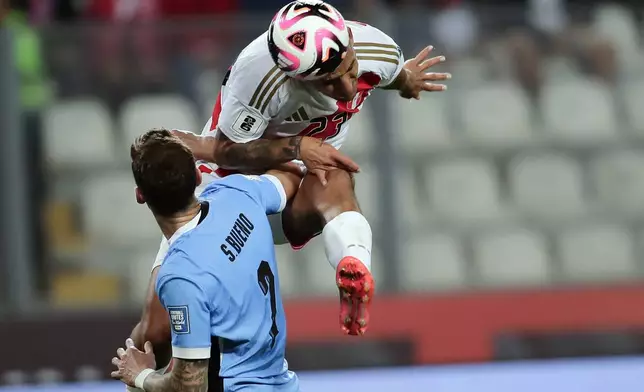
<point>290,96</point>
<point>292,88</point>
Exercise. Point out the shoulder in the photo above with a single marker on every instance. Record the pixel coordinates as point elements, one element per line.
<point>376,52</point>
<point>254,78</point>
<point>365,35</point>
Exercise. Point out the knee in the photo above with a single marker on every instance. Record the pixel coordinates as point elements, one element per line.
<point>339,195</point>
<point>341,178</point>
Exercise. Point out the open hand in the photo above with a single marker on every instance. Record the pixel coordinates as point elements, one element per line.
<point>418,79</point>
<point>320,157</point>
<point>131,361</point>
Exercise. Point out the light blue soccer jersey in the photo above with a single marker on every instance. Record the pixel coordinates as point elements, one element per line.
<point>220,279</point>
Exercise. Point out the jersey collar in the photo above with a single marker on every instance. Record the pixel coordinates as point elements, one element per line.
<point>185,228</point>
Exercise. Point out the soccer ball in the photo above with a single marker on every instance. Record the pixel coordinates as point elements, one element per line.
<point>308,39</point>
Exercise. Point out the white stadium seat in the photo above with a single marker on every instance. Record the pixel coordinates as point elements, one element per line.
<point>111,213</point>
<point>366,188</point>
<point>547,185</point>
<point>361,136</point>
<point>579,112</point>
<point>633,98</point>
<point>288,268</point>
<point>497,115</point>
<point>618,25</point>
<point>208,87</point>
<point>619,180</point>
<point>432,262</point>
<point>464,190</point>
<point>78,132</point>
<point>139,269</point>
<point>319,276</point>
<point>597,253</point>
<point>410,202</point>
<point>420,125</point>
<point>516,257</point>
<point>142,113</point>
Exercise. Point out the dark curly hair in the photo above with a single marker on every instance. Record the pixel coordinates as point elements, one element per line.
<point>164,171</point>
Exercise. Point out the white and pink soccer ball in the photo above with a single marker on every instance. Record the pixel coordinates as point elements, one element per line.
<point>308,39</point>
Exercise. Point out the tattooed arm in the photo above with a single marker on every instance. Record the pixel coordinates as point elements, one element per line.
<point>260,154</point>
<point>186,376</point>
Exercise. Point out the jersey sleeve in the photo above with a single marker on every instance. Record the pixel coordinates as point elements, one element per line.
<point>378,53</point>
<point>249,98</point>
<point>265,190</point>
<point>189,312</point>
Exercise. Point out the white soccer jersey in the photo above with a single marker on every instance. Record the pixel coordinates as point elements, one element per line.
<point>258,100</point>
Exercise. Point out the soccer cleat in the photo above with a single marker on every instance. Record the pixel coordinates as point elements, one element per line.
<point>356,286</point>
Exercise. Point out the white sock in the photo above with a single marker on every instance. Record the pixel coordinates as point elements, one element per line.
<point>348,234</point>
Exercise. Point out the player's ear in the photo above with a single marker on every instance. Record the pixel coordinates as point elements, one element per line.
<point>139,196</point>
<point>199,178</point>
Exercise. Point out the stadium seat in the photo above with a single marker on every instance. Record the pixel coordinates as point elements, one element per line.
<point>85,289</point>
<point>497,115</point>
<point>464,190</point>
<point>139,268</point>
<point>319,275</point>
<point>366,188</point>
<point>619,180</point>
<point>111,213</point>
<point>411,202</point>
<point>579,112</point>
<point>208,87</point>
<point>142,113</point>
<point>617,24</point>
<point>633,97</point>
<point>361,135</point>
<point>469,72</point>
<point>288,270</point>
<point>559,69</point>
<point>420,125</point>
<point>78,133</point>
<point>597,253</point>
<point>432,262</point>
<point>516,257</point>
<point>546,185</point>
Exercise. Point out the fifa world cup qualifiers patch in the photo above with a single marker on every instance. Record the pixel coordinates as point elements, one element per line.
<point>247,123</point>
<point>179,319</point>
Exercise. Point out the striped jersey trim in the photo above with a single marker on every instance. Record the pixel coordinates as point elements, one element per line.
<point>374,45</point>
<point>264,86</point>
<point>379,58</point>
<point>387,52</point>
<point>276,85</point>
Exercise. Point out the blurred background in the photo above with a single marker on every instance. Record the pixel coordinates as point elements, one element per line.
<point>508,212</point>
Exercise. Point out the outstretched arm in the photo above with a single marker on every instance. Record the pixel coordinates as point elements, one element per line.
<point>414,78</point>
<point>260,154</point>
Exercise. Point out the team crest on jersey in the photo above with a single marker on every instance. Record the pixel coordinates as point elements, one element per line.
<point>179,319</point>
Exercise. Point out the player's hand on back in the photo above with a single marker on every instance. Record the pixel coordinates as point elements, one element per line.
<point>320,157</point>
<point>418,79</point>
<point>131,361</point>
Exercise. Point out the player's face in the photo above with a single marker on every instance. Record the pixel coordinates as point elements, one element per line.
<point>342,84</point>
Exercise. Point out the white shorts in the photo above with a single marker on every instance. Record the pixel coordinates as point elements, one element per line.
<point>206,178</point>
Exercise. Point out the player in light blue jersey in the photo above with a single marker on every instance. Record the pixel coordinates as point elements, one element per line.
<point>219,279</point>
